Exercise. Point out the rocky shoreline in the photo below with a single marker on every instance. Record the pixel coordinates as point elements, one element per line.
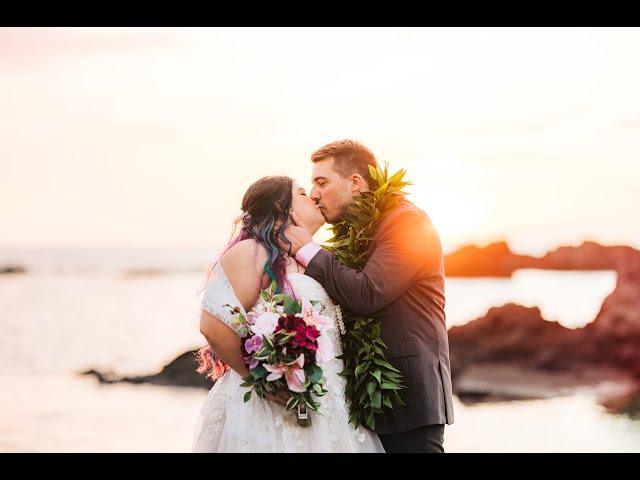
<point>513,353</point>
<point>497,260</point>
<point>603,356</point>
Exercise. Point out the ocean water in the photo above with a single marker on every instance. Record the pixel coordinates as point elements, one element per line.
<point>133,311</point>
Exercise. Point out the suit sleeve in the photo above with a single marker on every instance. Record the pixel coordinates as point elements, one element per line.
<point>407,248</point>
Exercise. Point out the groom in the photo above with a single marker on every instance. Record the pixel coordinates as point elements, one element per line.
<point>402,285</point>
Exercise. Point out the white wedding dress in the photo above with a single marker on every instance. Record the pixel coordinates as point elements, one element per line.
<point>227,424</point>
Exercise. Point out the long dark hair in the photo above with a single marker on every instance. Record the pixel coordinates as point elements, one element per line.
<point>265,217</point>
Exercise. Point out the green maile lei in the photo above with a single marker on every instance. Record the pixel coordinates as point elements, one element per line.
<point>372,382</point>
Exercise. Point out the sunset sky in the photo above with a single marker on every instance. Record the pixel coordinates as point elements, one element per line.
<point>149,137</point>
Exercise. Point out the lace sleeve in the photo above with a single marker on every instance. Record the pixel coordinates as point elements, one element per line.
<point>219,293</point>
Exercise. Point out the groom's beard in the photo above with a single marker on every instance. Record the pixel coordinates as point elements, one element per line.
<point>342,214</point>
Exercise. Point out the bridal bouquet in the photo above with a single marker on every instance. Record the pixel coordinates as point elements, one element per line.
<point>284,346</point>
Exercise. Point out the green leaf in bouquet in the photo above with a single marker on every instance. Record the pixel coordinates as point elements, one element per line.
<point>377,374</point>
<point>291,305</point>
<point>265,295</point>
<point>247,396</point>
<point>258,389</point>
<point>314,372</point>
<point>292,402</point>
<point>283,337</point>
<point>279,298</point>
<point>242,331</point>
<point>273,286</point>
<point>267,342</point>
<point>313,405</point>
<point>259,372</point>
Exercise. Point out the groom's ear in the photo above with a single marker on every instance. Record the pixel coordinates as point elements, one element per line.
<point>358,184</point>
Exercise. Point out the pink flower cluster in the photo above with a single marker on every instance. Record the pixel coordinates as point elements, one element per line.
<point>284,343</point>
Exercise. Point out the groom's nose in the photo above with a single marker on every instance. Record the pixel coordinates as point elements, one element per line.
<point>314,195</point>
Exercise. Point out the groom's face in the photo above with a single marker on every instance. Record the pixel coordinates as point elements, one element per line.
<point>331,191</point>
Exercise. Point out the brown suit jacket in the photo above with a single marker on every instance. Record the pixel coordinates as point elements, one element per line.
<point>402,284</point>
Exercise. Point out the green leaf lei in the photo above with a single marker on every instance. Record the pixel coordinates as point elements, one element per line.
<point>372,382</point>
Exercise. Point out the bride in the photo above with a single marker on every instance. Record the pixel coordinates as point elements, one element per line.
<point>251,261</point>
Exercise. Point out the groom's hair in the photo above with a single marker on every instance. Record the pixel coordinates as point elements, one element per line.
<point>350,157</point>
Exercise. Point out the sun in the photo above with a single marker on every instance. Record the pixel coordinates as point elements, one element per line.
<point>448,190</point>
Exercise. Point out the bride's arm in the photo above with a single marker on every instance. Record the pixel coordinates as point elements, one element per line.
<point>240,266</point>
<point>223,341</point>
<point>243,266</point>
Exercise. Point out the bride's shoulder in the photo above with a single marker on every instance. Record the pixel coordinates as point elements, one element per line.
<point>244,256</point>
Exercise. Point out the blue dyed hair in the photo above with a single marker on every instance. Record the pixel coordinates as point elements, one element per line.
<point>266,205</point>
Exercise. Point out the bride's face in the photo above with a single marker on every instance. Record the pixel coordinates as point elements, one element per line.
<point>306,209</point>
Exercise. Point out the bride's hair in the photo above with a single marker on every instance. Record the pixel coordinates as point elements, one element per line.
<point>265,216</point>
<point>265,206</point>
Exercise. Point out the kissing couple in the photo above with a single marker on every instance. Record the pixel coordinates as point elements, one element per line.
<point>341,348</point>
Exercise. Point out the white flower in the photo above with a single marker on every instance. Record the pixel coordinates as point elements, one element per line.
<point>265,324</point>
<point>325,352</point>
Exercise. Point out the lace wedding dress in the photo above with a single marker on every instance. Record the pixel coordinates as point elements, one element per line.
<point>227,424</point>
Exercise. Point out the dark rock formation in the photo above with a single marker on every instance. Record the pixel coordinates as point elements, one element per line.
<point>12,269</point>
<point>614,336</point>
<point>589,256</point>
<point>495,260</point>
<point>179,372</point>
<point>519,336</point>
<point>508,334</point>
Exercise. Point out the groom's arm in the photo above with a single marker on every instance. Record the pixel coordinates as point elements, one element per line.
<point>408,247</point>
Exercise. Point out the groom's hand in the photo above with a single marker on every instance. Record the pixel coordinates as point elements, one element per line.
<point>297,234</point>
